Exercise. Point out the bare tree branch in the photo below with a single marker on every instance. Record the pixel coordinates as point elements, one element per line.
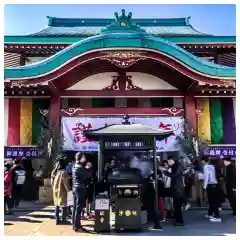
<point>191,145</point>
<point>50,143</point>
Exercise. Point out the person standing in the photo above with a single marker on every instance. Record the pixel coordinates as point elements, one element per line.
<point>211,186</point>
<point>8,183</point>
<point>177,189</point>
<point>19,175</point>
<point>231,183</point>
<point>80,173</point>
<point>61,187</point>
<point>109,166</point>
<point>168,203</point>
<point>189,179</point>
<point>69,171</point>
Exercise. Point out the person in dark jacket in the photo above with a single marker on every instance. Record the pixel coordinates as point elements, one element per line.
<point>81,174</point>
<point>231,184</point>
<point>19,175</point>
<point>109,166</point>
<point>177,188</point>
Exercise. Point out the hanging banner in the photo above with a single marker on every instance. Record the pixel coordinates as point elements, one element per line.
<point>22,152</point>
<point>73,139</point>
<point>221,151</point>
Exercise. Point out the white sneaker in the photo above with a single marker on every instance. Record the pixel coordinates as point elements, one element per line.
<point>208,216</point>
<point>163,220</point>
<point>187,207</point>
<point>215,219</point>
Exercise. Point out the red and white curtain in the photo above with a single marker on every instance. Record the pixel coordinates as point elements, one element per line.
<point>75,141</point>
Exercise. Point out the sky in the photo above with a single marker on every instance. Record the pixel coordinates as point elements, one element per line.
<point>217,20</point>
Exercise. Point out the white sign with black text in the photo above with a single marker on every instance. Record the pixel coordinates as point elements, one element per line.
<point>102,204</point>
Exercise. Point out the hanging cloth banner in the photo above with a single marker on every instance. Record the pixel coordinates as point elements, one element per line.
<point>75,141</point>
<point>204,131</point>
<point>216,121</point>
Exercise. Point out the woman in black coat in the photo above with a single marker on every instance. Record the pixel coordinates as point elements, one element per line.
<point>231,183</point>
<point>177,188</point>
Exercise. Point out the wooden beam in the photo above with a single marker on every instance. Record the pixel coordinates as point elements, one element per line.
<point>122,111</point>
<point>133,93</point>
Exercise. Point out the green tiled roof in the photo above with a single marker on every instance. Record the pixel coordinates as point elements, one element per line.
<point>119,41</point>
<point>71,30</point>
<point>91,31</point>
<point>90,27</point>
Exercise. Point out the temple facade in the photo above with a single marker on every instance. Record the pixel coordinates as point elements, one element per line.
<point>86,73</point>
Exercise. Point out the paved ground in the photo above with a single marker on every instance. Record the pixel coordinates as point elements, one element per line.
<point>39,221</point>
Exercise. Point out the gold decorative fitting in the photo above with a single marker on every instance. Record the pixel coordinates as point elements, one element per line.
<point>128,213</point>
<point>123,59</point>
<point>17,83</point>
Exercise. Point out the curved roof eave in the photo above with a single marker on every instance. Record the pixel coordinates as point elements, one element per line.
<point>121,40</point>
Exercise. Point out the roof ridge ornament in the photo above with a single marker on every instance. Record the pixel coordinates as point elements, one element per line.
<point>123,23</point>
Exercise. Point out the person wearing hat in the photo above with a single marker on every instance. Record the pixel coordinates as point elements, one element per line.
<point>8,184</point>
<point>231,183</point>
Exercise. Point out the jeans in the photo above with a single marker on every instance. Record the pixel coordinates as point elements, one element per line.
<point>64,213</point>
<point>79,199</point>
<point>177,204</point>
<point>212,193</point>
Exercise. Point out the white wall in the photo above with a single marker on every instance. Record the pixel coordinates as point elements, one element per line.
<point>102,80</point>
<point>234,107</point>
<point>31,60</point>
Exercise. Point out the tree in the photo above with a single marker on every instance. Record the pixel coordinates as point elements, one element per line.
<point>192,146</point>
<point>50,143</point>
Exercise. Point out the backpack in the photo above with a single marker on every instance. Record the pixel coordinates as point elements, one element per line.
<point>19,177</point>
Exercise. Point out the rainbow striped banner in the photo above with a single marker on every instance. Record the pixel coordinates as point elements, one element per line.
<point>22,120</point>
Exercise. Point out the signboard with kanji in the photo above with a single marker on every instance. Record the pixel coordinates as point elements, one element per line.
<point>128,214</point>
<point>102,218</point>
<point>21,152</point>
<point>221,151</point>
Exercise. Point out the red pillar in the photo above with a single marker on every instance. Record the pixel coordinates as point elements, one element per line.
<point>190,111</point>
<point>55,108</point>
<point>14,122</point>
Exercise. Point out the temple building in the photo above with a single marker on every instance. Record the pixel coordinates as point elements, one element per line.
<point>85,73</point>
